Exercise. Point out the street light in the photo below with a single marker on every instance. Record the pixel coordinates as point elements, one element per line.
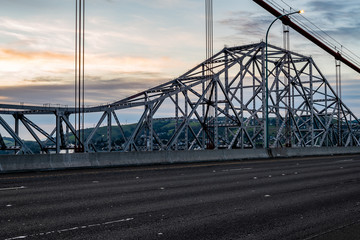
<point>267,76</point>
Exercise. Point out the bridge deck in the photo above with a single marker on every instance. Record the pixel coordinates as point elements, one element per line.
<point>287,199</point>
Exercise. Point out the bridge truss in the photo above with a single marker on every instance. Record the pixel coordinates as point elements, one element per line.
<point>217,104</point>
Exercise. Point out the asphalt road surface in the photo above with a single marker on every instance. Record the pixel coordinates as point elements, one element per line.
<point>311,198</point>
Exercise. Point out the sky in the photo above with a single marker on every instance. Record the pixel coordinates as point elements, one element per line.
<point>132,45</point>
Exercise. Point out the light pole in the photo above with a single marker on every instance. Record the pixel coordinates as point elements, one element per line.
<point>267,77</point>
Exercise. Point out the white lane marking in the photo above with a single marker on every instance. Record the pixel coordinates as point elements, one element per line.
<point>9,205</point>
<point>68,229</point>
<point>266,195</point>
<point>346,160</point>
<point>19,237</point>
<point>240,169</point>
<point>12,188</point>
<point>117,221</point>
<point>94,225</point>
<point>72,229</point>
<point>236,169</point>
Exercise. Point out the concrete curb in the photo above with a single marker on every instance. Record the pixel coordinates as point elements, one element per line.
<point>23,163</point>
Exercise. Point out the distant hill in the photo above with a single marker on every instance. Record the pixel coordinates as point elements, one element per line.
<point>31,144</point>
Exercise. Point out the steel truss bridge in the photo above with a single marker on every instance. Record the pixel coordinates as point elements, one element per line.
<point>217,104</point>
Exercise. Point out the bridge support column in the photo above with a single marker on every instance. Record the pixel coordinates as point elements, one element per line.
<point>58,132</point>
<point>149,120</point>
<point>338,93</point>
<point>16,127</point>
<point>109,130</point>
<point>311,106</point>
<point>263,87</point>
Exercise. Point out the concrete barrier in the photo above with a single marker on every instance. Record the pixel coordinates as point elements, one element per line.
<point>313,151</point>
<point>21,163</point>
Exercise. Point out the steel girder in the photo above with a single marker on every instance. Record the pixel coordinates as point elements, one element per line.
<point>217,104</point>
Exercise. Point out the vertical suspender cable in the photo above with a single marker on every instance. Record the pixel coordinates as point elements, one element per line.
<point>206,30</point>
<point>79,76</point>
<point>211,31</point>
<point>79,109</point>
<point>83,75</point>
<point>208,64</point>
<point>76,44</point>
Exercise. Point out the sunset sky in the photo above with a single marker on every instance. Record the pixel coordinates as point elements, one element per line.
<point>132,45</point>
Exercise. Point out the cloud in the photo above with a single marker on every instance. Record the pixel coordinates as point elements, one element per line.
<point>247,24</point>
<point>335,20</point>
<point>36,47</point>
<point>127,64</point>
<point>97,89</point>
<point>332,6</point>
<point>52,31</point>
<point>139,35</point>
<point>11,54</point>
<point>35,67</point>
<point>326,6</point>
<point>45,80</point>
<point>336,17</point>
<point>249,27</point>
<point>173,4</point>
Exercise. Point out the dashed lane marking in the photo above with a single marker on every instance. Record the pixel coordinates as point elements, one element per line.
<point>71,229</point>
<point>12,188</point>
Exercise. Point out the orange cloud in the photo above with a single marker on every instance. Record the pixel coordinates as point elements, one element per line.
<point>11,54</point>
<point>26,68</point>
<point>95,62</point>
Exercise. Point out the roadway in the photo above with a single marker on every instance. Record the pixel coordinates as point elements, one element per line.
<point>309,198</point>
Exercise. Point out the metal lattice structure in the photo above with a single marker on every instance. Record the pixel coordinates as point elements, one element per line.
<point>217,104</point>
